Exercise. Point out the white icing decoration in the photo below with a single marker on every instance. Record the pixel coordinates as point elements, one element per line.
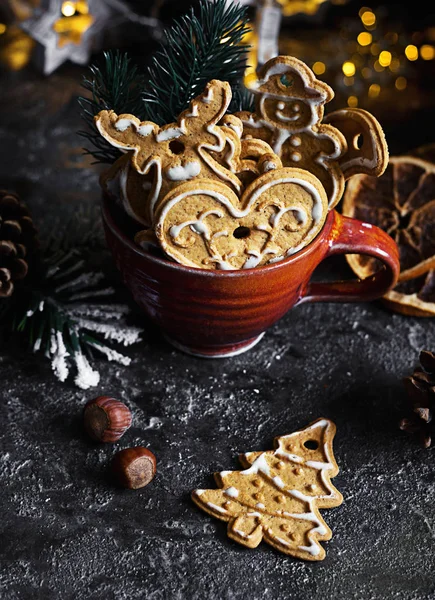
<point>123,124</point>
<point>184,172</point>
<point>281,105</point>
<point>278,539</point>
<point>212,164</point>
<point>301,215</point>
<point>286,119</point>
<point>253,260</point>
<point>313,548</point>
<point>145,130</point>
<point>318,465</point>
<point>253,514</point>
<point>278,482</point>
<point>199,492</point>
<point>236,128</point>
<point>317,210</point>
<point>260,505</point>
<point>193,112</point>
<point>280,137</point>
<point>269,166</point>
<point>258,466</point>
<point>171,133</point>
<point>225,473</point>
<point>198,225</point>
<point>296,157</point>
<point>241,533</point>
<point>215,507</point>
<point>208,97</point>
<point>282,452</point>
<point>295,140</point>
<point>323,467</point>
<point>232,492</point>
<point>230,154</point>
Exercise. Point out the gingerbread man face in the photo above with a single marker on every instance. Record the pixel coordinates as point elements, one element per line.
<point>288,94</point>
<point>180,151</point>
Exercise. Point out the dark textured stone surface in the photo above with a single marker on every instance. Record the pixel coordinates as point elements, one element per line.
<point>68,533</point>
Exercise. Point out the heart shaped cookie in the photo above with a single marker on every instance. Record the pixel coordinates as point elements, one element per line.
<point>203,223</point>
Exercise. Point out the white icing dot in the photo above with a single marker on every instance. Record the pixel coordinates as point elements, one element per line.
<point>296,107</point>
<point>295,141</point>
<point>296,156</point>
<point>232,492</point>
<point>281,105</point>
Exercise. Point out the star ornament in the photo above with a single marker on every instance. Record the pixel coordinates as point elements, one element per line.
<point>66,30</point>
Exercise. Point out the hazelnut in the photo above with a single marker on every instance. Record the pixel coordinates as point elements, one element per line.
<point>134,467</point>
<point>106,419</point>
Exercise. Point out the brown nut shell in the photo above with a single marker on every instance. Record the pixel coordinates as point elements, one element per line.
<point>106,419</point>
<point>134,468</point>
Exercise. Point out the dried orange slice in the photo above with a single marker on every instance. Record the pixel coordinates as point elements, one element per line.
<point>402,203</point>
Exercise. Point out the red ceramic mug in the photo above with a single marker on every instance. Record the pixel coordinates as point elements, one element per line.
<point>223,313</point>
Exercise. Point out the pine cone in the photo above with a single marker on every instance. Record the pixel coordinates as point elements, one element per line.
<point>18,241</point>
<point>420,387</point>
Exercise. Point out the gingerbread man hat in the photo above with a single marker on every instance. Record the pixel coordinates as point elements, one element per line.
<point>289,77</point>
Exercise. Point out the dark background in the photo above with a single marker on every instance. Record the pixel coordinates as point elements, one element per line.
<point>67,532</point>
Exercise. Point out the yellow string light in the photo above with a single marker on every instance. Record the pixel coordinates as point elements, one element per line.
<point>364,38</point>
<point>427,52</point>
<point>319,68</point>
<point>2,28</point>
<point>348,68</point>
<point>352,101</point>
<point>385,58</point>
<point>368,18</point>
<point>411,52</point>
<point>366,72</point>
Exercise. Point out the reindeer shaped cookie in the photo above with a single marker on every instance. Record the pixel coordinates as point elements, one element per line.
<point>180,151</point>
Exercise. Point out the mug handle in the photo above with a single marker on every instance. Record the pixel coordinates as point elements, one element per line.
<point>351,236</point>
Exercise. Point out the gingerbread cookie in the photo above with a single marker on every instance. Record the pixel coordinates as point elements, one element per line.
<point>289,110</point>
<point>367,150</point>
<point>203,223</point>
<point>129,188</point>
<point>180,151</point>
<point>278,496</point>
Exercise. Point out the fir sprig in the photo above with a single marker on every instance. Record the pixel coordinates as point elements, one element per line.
<point>198,48</point>
<point>115,83</point>
<point>207,43</point>
<point>68,310</point>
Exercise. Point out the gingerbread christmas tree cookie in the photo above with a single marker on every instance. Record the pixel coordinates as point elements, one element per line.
<point>278,496</point>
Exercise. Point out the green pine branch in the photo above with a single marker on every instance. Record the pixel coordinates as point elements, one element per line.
<point>201,46</point>
<point>114,83</point>
<point>205,44</point>
<point>67,308</point>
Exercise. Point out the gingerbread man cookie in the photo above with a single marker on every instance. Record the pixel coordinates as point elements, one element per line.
<point>278,496</point>
<point>289,111</point>
<point>181,151</point>
<point>203,223</point>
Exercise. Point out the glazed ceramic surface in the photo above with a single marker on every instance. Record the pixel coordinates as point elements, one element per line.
<point>222,313</point>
